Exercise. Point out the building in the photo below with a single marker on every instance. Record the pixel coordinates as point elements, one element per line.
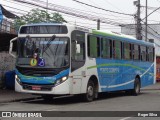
<point>7,32</point>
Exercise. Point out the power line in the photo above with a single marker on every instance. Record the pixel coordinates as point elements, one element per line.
<point>72,9</point>
<point>112,5</point>
<point>65,10</point>
<point>151,28</point>
<point>151,12</point>
<point>102,8</point>
<point>14,8</point>
<point>15,2</point>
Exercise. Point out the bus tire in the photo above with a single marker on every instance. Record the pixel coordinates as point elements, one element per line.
<point>137,86</point>
<point>47,97</point>
<point>90,92</point>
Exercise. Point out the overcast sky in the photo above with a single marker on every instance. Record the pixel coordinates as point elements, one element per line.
<point>124,6</point>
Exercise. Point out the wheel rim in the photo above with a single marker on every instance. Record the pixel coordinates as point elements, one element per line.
<point>137,88</point>
<point>90,92</point>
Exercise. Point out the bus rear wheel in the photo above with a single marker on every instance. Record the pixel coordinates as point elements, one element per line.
<point>137,86</point>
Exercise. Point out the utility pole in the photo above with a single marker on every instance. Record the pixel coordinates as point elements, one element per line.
<point>138,21</point>
<point>98,24</point>
<point>146,21</point>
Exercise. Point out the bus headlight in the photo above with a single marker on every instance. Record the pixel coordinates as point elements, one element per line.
<point>64,78</point>
<point>61,80</point>
<point>17,79</point>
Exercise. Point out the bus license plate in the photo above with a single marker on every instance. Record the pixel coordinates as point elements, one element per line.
<point>36,87</point>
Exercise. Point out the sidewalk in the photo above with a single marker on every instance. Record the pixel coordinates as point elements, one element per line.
<point>152,87</point>
<point>12,96</point>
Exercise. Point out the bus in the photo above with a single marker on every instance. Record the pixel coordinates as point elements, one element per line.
<point>55,59</point>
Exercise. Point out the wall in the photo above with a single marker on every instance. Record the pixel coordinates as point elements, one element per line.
<point>7,63</point>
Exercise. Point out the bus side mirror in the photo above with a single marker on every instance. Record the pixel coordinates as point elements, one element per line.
<point>78,49</point>
<point>11,48</point>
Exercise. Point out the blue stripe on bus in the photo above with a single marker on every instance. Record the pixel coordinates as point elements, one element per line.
<point>120,75</point>
<point>42,80</point>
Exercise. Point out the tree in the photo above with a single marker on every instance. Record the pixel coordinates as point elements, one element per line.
<point>37,16</point>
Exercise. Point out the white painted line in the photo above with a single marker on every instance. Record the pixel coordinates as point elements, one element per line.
<point>125,118</point>
<point>52,110</point>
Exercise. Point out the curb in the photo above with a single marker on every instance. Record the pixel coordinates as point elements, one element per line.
<point>150,89</point>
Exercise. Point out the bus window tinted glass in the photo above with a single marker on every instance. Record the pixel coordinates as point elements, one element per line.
<point>93,47</point>
<point>45,29</point>
<point>127,51</point>
<point>151,54</point>
<point>143,53</point>
<point>117,49</point>
<point>136,52</point>
<point>106,46</point>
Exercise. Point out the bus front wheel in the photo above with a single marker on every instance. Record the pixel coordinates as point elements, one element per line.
<point>90,92</point>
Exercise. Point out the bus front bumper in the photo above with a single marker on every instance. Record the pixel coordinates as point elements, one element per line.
<point>61,89</point>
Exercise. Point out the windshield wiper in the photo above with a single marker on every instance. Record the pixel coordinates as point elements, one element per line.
<point>48,43</point>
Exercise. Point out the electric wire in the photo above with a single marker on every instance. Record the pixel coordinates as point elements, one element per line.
<point>102,8</point>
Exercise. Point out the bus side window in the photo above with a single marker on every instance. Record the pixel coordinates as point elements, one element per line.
<point>131,53</point>
<point>136,51</point>
<point>93,46</point>
<point>147,54</point>
<point>106,48</point>
<point>127,51</point>
<point>117,52</point>
<point>143,53</point>
<point>151,54</point>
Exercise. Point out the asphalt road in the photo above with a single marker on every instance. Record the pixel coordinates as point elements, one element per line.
<point>148,100</point>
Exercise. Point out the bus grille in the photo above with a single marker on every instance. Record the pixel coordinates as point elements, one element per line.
<point>37,72</point>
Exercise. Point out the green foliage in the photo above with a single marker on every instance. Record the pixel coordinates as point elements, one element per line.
<point>37,16</point>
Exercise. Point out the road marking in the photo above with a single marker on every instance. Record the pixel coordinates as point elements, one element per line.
<point>125,118</point>
<point>52,110</point>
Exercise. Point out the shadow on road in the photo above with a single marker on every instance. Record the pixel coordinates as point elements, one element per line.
<point>78,99</point>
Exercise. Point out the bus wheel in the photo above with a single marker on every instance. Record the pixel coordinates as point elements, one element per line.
<point>90,92</point>
<point>137,86</point>
<point>47,97</point>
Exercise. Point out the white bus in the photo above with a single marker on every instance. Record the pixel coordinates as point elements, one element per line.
<point>60,59</point>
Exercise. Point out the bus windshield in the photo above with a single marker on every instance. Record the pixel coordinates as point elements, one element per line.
<point>47,52</point>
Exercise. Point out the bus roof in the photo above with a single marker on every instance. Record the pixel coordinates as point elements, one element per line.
<point>121,37</point>
<point>109,34</point>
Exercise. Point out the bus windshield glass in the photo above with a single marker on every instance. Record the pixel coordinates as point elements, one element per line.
<point>46,52</point>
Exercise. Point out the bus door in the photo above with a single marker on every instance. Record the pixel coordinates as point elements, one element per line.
<point>77,59</point>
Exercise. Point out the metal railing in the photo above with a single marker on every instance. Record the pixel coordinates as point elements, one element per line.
<point>7,26</point>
